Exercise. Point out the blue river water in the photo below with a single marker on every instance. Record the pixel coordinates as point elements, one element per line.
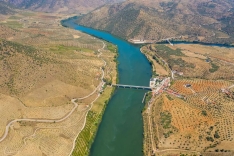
<point>121,130</point>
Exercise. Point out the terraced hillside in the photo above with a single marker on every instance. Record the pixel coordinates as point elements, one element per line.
<point>204,20</point>
<point>200,120</point>
<point>50,77</point>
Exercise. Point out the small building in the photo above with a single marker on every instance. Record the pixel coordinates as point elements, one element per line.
<point>152,83</point>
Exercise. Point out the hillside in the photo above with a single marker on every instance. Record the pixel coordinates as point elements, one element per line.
<point>194,115</point>
<point>204,20</point>
<point>61,6</point>
<point>5,9</point>
<point>43,67</point>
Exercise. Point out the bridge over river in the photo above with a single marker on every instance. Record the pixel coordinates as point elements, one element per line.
<point>131,86</point>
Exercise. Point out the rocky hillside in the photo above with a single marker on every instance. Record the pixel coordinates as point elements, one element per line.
<point>5,9</point>
<point>203,20</point>
<point>64,6</point>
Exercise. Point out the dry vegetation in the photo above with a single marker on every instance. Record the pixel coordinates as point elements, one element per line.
<point>193,20</point>
<point>44,66</point>
<point>195,61</point>
<point>62,6</point>
<point>158,69</point>
<point>201,123</point>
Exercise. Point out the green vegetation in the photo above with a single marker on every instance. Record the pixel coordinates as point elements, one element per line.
<point>166,135</point>
<point>214,67</point>
<point>27,13</point>
<point>211,128</point>
<point>86,136</point>
<point>165,51</point>
<point>216,135</point>
<point>68,50</point>
<point>204,113</point>
<point>169,97</point>
<point>180,62</point>
<point>165,118</point>
<point>148,96</point>
<point>156,59</point>
<point>13,24</point>
<point>209,139</point>
<point>108,81</point>
<point>111,47</point>
<point>14,17</point>
<point>35,54</point>
<point>94,116</point>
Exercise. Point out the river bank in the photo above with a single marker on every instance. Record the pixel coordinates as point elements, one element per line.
<point>163,133</point>
<point>122,116</point>
<point>86,136</point>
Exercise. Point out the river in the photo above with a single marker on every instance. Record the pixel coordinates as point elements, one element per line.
<point>121,130</point>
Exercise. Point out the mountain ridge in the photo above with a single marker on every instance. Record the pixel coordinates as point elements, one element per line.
<point>157,20</point>
<point>61,6</point>
<point>5,9</point>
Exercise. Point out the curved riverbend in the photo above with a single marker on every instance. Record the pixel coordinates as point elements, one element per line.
<point>121,129</point>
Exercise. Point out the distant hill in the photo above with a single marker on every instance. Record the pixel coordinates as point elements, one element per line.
<point>203,20</point>
<point>5,9</point>
<point>64,6</point>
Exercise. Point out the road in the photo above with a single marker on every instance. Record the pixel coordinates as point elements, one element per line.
<point>39,120</point>
<point>66,116</point>
<point>102,85</point>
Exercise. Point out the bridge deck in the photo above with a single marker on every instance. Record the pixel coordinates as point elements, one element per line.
<point>131,86</point>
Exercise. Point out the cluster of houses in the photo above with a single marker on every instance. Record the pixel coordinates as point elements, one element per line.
<point>161,84</point>
<point>154,82</point>
<point>158,84</point>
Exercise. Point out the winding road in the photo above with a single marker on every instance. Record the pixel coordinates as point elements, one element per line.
<point>101,84</point>
<point>65,117</point>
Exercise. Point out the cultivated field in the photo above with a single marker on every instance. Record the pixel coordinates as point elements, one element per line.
<point>195,61</point>
<point>43,67</point>
<point>201,122</point>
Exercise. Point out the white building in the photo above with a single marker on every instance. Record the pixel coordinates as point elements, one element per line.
<point>152,83</point>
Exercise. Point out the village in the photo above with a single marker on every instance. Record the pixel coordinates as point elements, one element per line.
<point>162,84</point>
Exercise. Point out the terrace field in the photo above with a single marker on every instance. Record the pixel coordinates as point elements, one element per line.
<point>43,67</point>
<point>201,121</point>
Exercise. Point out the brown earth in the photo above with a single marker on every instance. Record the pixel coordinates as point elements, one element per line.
<point>201,122</point>
<point>203,20</point>
<point>43,66</point>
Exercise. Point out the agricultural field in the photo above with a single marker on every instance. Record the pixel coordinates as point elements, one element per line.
<point>43,67</point>
<point>158,68</point>
<point>195,61</point>
<point>201,121</point>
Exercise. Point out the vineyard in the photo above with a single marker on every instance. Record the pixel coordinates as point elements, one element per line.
<point>86,136</point>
